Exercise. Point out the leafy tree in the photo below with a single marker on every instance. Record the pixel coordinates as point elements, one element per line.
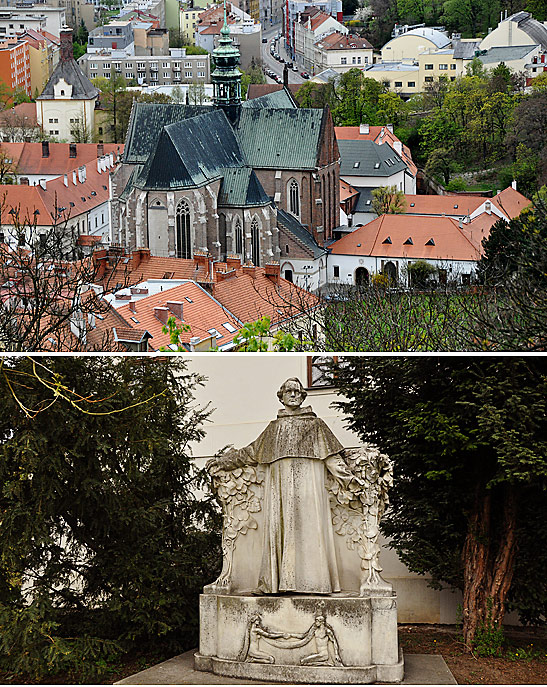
<point>196,93</point>
<point>81,34</point>
<point>468,439</point>
<point>500,79</point>
<point>104,545</point>
<point>78,50</point>
<point>253,75</point>
<point>319,95</point>
<point>388,200</point>
<point>441,161</point>
<point>256,337</point>
<point>8,169</point>
<point>420,273</point>
<point>112,91</point>
<point>195,50</point>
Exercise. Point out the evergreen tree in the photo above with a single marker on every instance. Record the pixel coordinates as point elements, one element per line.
<point>468,439</point>
<point>104,545</point>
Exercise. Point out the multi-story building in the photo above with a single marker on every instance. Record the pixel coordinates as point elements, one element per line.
<point>117,35</point>
<point>293,9</point>
<point>246,33</point>
<point>40,63</point>
<point>77,11</point>
<point>189,17</point>
<point>40,18</point>
<point>177,67</point>
<point>15,65</point>
<point>68,100</point>
<point>341,52</point>
<point>313,25</point>
<point>414,42</point>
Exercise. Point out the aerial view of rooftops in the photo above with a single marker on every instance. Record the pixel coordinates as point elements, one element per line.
<point>329,176</point>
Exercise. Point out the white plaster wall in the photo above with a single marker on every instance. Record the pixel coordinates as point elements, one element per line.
<point>397,180</point>
<point>242,391</point>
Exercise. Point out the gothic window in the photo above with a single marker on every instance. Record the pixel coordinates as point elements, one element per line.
<point>294,198</point>
<point>238,237</point>
<point>184,231</point>
<point>255,242</point>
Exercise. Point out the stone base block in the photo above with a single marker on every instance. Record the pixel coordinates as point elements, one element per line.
<point>337,639</point>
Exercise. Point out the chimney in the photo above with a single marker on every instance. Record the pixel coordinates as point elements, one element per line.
<point>514,184</point>
<point>194,341</point>
<point>65,179</point>
<point>74,178</point>
<point>233,262</point>
<point>272,271</point>
<point>24,181</point>
<point>176,308</point>
<point>45,148</point>
<point>99,165</point>
<point>222,276</point>
<point>488,207</point>
<point>285,76</point>
<point>389,128</point>
<point>65,35</point>
<point>100,149</point>
<point>364,129</point>
<point>132,306</point>
<point>162,314</point>
<point>249,269</point>
<point>72,148</point>
<point>42,183</point>
<point>398,147</point>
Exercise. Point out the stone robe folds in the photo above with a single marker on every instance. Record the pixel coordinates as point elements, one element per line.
<point>298,553</point>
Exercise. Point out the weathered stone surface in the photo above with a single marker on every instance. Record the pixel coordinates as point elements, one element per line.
<point>300,589</point>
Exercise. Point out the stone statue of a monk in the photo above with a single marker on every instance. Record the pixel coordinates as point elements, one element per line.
<point>296,450</point>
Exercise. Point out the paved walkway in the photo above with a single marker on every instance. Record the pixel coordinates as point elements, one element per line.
<point>420,669</point>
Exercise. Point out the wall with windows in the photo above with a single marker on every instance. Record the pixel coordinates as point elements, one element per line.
<point>440,63</point>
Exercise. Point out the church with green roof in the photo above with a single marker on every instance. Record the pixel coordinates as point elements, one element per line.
<point>257,179</point>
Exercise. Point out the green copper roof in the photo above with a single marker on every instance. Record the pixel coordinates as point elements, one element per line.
<point>192,152</point>
<point>280,139</point>
<point>146,122</point>
<point>278,99</point>
<point>241,188</point>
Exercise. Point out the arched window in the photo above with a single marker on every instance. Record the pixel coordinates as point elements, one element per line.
<point>238,237</point>
<point>184,231</point>
<point>294,198</point>
<point>255,242</point>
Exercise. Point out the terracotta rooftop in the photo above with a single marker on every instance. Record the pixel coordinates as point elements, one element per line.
<point>341,41</point>
<point>347,190</point>
<point>24,113</point>
<point>393,236</point>
<point>29,157</point>
<point>442,205</point>
<point>200,312</point>
<point>70,201</point>
<point>510,202</point>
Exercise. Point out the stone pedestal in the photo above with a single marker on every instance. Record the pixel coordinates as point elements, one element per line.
<point>339,639</point>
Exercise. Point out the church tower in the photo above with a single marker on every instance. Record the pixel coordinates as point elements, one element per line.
<point>226,78</point>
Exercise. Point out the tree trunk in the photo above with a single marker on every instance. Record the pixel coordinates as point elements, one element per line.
<point>488,558</point>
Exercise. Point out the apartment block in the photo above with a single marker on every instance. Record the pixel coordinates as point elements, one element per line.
<point>15,65</point>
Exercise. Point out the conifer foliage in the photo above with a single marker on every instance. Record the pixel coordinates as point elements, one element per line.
<point>468,437</point>
<point>103,543</point>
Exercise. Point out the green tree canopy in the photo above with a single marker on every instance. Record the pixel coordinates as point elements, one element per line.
<point>468,437</point>
<point>103,545</point>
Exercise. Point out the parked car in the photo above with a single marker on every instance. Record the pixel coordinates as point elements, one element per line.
<point>304,75</point>
<point>264,40</point>
<point>294,68</point>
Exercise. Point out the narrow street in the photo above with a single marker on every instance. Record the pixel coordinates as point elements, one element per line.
<point>270,63</point>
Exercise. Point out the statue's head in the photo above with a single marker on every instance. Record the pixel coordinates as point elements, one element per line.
<point>256,620</point>
<point>319,620</point>
<point>291,393</point>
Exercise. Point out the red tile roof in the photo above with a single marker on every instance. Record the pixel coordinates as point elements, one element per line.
<point>388,236</point>
<point>25,112</point>
<point>442,205</point>
<point>251,295</point>
<point>30,160</point>
<point>341,41</point>
<point>510,202</point>
<point>317,19</point>
<point>378,134</point>
<point>347,190</point>
<point>200,311</point>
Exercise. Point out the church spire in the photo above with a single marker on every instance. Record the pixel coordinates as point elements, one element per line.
<point>226,78</point>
